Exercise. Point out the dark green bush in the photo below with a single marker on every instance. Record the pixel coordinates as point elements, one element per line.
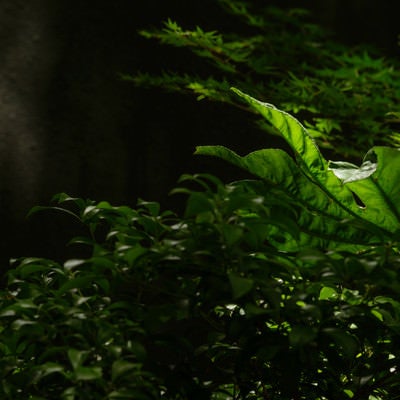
<point>205,306</point>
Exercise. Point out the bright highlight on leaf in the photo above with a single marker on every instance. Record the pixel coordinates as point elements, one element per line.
<point>328,293</point>
<point>348,172</point>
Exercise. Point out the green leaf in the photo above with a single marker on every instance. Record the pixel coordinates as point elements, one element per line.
<point>77,357</point>
<point>328,293</point>
<point>302,144</point>
<point>77,283</point>
<point>87,373</point>
<point>121,368</point>
<point>152,207</point>
<point>231,233</point>
<point>377,314</point>
<point>73,263</point>
<point>133,254</point>
<point>240,286</point>
<point>22,323</point>
<point>69,393</point>
<point>46,369</point>
<point>31,269</point>
<point>198,203</point>
<point>138,350</point>
<point>349,393</point>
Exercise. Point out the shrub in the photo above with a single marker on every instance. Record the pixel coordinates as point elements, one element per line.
<point>201,307</point>
<point>236,299</point>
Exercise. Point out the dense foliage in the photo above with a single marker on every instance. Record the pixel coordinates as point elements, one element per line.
<point>347,97</point>
<point>234,300</point>
<point>282,287</point>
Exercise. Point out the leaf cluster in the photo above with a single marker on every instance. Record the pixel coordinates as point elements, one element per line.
<point>346,96</point>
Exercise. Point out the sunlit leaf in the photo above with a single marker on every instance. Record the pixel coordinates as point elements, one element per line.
<point>328,293</point>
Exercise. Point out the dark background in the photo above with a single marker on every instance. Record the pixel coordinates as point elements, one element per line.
<point>69,124</point>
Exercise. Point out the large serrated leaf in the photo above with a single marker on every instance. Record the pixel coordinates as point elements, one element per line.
<point>343,205</point>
